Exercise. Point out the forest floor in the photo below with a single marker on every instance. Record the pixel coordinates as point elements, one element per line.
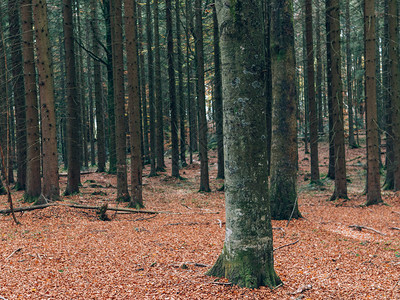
<point>67,253</point>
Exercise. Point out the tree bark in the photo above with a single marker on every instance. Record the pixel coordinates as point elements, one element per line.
<point>33,183</point>
<point>51,189</point>
<point>283,191</point>
<point>247,256</point>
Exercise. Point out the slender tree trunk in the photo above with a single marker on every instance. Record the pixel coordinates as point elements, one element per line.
<point>283,191</point>
<point>172,92</point>
<point>18,90</point>
<point>189,75</point>
<point>98,93</point>
<point>201,97</point>
<point>158,89</point>
<point>33,183</point>
<point>150,73</point>
<point>134,105</point>
<point>119,98</point>
<point>312,105</point>
<point>318,78</point>
<point>247,257</point>
<point>373,152</point>
<point>333,42</point>
<point>51,189</point>
<point>73,104</point>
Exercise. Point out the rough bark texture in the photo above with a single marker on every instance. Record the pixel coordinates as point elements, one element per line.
<point>158,95</point>
<point>73,104</point>
<point>394,87</point>
<point>51,189</point>
<point>247,257</point>
<point>312,105</point>
<point>98,92</point>
<point>373,151</point>
<point>150,74</point>
<point>134,105</point>
<point>33,182</point>
<point>172,92</point>
<point>332,15</point>
<point>18,90</point>
<point>119,99</point>
<point>284,127</point>
<point>218,98</point>
<point>201,98</point>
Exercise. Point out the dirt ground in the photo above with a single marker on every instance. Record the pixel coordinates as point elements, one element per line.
<point>67,253</point>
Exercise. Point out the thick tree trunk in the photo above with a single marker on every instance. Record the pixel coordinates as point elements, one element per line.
<point>119,99</point>
<point>201,97</point>
<point>312,105</point>
<point>51,189</point>
<point>373,151</point>
<point>158,89</point>
<point>73,104</point>
<point>134,105</point>
<point>33,182</point>
<point>247,257</point>
<point>333,42</point>
<point>284,127</point>
<point>18,90</point>
<point>172,92</point>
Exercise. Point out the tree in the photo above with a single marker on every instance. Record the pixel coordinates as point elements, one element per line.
<point>312,105</point>
<point>333,43</point>
<point>172,92</point>
<point>18,90</point>
<point>134,105</point>
<point>150,73</point>
<point>73,104</point>
<point>373,151</point>
<point>201,98</point>
<point>33,182</point>
<point>247,257</point>
<point>218,97</point>
<point>98,91</point>
<point>51,189</point>
<point>283,191</point>
<point>119,99</point>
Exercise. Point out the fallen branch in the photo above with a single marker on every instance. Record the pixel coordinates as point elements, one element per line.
<point>82,173</point>
<point>359,228</point>
<point>134,211</point>
<point>222,283</point>
<point>394,228</point>
<point>143,219</point>
<point>27,208</point>
<point>302,289</point>
<point>396,212</point>
<point>287,245</point>
<point>15,251</point>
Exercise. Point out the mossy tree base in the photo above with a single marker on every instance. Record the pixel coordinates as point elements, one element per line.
<point>248,268</point>
<point>30,199</point>
<point>136,205</point>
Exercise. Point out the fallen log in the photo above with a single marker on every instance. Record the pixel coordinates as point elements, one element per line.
<point>27,208</point>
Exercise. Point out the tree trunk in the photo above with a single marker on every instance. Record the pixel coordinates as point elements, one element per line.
<point>33,183</point>
<point>333,42</point>
<point>18,90</point>
<point>51,189</point>
<point>150,73</point>
<point>158,89</point>
<point>218,97</point>
<point>172,92</point>
<point>284,130</point>
<point>119,99</point>
<point>73,104</point>
<point>312,105</point>
<point>134,105</point>
<point>319,70</point>
<point>98,93</point>
<point>247,257</point>
<point>201,97</point>
<point>373,151</point>
<point>394,88</point>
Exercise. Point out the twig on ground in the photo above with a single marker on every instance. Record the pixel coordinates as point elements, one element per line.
<point>359,228</point>
<point>143,219</point>
<point>396,284</point>
<point>15,251</point>
<point>201,265</point>
<point>394,228</point>
<point>221,283</point>
<point>278,286</point>
<point>220,223</point>
<point>302,289</point>
<point>396,212</point>
<point>2,298</point>
<point>186,206</point>
<point>287,245</point>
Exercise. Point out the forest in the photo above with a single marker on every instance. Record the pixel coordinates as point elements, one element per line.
<point>188,149</point>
